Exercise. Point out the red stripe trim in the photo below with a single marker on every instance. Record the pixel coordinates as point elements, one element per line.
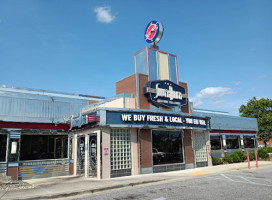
<point>28,125</point>
<point>231,131</point>
<point>93,118</point>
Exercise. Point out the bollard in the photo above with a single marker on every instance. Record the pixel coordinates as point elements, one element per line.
<point>256,158</point>
<point>248,160</point>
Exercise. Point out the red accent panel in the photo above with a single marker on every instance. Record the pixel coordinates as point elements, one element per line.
<point>71,171</point>
<point>231,131</point>
<point>93,118</point>
<point>27,125</point>
<point>13,172</point>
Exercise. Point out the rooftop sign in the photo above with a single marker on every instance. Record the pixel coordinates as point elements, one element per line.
<point>153,32</point>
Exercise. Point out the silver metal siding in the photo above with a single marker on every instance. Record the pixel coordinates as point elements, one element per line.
<point>228,122</point>
<point>37,108</point>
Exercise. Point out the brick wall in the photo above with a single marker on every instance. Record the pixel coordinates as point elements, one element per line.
<point>92,101</point>
<point>144,104</point>
<point>146,151</point>
<point>185,108</point>
<point>127,85</point>
<point>189,157</point>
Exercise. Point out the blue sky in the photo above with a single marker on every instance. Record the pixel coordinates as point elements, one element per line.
<point>224,48</point>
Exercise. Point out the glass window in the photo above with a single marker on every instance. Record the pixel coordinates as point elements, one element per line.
<point>140,62</point>
<point>249,141</point>
<point>173,69</point>
<point>120,149</point>
<point>39,147</point>
<point>14,146</point>
<point>215,142</point>
<point>167,147</point>
<point>3,146</point>
<point>232,141</point>
<point>153,65</point>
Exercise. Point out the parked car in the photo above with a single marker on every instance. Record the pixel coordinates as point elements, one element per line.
<point>157,155</point>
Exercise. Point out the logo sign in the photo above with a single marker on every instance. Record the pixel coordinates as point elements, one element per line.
<point>165,93</point>
<point>153,32</point>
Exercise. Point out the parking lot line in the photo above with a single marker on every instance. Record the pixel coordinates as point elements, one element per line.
<point>243,179</point>
<point>198,173</point>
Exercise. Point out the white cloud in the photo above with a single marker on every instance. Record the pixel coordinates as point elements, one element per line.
<point>236,83</point>
<point>214,94</point>
<point>261,76</point>
<point>104,15</point>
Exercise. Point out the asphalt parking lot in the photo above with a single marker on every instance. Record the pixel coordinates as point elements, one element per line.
<point>244,184</point>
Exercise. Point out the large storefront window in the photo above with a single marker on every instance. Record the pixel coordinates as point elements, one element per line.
<point>167,147</point>
<point>120,149</point>
<point>215,142</point>
<point>249,141</point>
<point>232,141</point>
<point>3,147</point>
<point>39,147</point>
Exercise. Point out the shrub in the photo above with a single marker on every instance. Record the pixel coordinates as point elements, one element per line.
<point>241,155</point>
<point>252,156</point>
<point>227,159</point>
<point>268,149</point>
<point>262,153</point>
<point>217,161</point>
<point>235,157</point>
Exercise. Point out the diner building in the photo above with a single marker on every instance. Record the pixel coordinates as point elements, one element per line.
<point>149,126</point>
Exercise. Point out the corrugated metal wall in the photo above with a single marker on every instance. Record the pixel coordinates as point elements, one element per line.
<point>228,122</point>
<point>26,107</point>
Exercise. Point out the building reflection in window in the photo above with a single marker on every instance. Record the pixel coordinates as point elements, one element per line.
<point>167,147</point>
<point>215,142</point>
<point>232,141</point>
<point>39,147</point>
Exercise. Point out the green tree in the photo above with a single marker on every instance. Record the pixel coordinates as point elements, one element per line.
<point>262,110</point>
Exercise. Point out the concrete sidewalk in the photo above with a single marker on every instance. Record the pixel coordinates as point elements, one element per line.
<point>50,188</point>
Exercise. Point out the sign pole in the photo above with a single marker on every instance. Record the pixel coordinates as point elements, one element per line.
<point>256,157</point>
<point>248,160</point>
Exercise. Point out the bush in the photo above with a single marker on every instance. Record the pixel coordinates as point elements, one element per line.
<point>235,157</point>
<point>217,161</point>
<point>227,159</point>
<point>268,149</point>
<point>241,155</point>
<point>262,153</point>
<point>252,156</point>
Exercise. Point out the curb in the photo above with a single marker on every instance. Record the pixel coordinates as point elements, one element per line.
<point>118,186</point>
<point>86,191</point>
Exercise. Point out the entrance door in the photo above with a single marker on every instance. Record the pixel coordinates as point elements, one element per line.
<point>93,155</point>
<point>80,155</point>
<point>200,149</point>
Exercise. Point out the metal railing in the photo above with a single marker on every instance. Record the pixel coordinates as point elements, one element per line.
<point>43,168</point>
<point>3,168</point>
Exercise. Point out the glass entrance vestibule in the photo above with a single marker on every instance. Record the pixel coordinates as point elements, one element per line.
<point>105,152</point>
<point>85,153</point>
